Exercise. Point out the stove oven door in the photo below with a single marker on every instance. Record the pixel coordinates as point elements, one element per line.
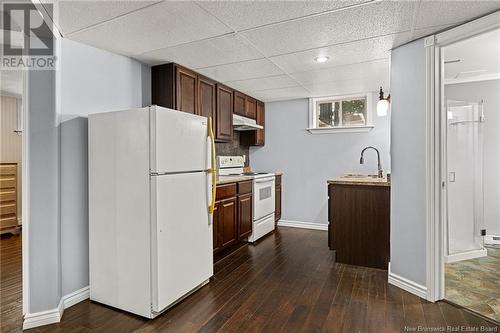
<point>263,197</point>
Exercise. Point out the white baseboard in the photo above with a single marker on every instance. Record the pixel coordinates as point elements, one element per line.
<point>303,225</point>
<point>408,285</point>
<point>53,316</point>
<point>42,318</point>
<point>465,256</point>
<point>76,297</point>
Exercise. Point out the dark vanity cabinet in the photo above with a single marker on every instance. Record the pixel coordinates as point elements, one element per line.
<point>359,224</point>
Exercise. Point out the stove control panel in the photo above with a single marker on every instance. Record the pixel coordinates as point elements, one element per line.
<point>230,162</point>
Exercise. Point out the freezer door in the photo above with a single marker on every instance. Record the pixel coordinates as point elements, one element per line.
<point>178,141</point>
<point>182,236</point>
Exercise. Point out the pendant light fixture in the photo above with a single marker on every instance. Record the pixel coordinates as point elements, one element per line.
<point>383,104</point>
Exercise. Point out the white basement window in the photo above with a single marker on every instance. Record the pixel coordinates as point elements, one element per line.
<point>340,114</point>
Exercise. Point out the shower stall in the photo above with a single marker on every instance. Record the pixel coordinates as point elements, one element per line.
<point>465,192</point>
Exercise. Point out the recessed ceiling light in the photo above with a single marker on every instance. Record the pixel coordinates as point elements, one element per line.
<point>321,59</point>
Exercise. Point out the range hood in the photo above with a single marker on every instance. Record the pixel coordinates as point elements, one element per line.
<point>241,123</point>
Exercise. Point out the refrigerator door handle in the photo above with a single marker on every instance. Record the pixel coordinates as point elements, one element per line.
<point>213,168</point>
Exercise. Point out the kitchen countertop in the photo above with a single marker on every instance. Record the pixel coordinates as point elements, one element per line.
<point>231,179</point>
<point>367,181</point>
<point>234,179</point>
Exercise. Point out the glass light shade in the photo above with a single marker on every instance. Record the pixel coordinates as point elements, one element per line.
<point>382,107</point>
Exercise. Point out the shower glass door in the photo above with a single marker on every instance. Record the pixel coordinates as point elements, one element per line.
<point>465,218</point>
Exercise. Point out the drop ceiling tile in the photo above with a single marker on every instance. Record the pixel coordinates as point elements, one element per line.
<point>205,53</point>
<point>360,71</point>
<point>71,16</point>
<point>158,26</point>
<point>433,13</point>
<point>280,94</point>
<point>342,54</point>
<point>242,15</point>
<point>271,82</point>
<point>376,19</point>
<point>242,70</point>
<point>348,87</point>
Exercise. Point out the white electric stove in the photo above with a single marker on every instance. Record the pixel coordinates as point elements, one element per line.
<point>263,193</point>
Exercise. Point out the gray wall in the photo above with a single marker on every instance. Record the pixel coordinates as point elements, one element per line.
<point>308,160</point>
<point>92,81</point>
<point>489,91</point>
<point>44,237</point>
<point>408,139</point>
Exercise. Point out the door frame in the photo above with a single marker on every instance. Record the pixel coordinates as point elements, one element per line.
<point>436,146</point>
<point>25,194</point>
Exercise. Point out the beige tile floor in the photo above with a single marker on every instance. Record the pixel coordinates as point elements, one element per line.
<point>475,283</point>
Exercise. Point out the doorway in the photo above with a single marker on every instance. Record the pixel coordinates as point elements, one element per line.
<point>471,158</point>
<point>11,198</point>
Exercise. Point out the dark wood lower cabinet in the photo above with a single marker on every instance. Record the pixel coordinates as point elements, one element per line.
<point>232,221</point>
<point>227,218</point>
<point>277,204</point>
<point>277,196</point>
<point>359,227</point>
<point>244,216</point>
<point>217,237</point>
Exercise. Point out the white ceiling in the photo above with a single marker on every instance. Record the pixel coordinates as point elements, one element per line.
<point>479,58</point>
<point>266,48</point>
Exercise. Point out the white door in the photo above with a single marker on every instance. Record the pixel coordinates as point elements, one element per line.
<point>178,141</point>
<point>182,249</point>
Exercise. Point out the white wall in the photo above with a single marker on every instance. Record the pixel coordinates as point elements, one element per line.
<point>489,91</point>
<point>309,160</point>
<point>91,81</point>
<point>408,156</point>
<point>44,266</point>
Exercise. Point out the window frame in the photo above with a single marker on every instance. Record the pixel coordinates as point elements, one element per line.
<point>313,121</point>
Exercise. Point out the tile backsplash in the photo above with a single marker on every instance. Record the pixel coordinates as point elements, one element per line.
<point>233,148</point>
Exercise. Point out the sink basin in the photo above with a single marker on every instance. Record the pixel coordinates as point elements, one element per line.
<point>359,176</point>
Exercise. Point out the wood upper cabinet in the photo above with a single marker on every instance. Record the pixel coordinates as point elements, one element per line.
<point>207,99</point>
<point>257,137</point>
<point>163,86</point>
<point>224,114</point>
<point>226,221</point>
<point>179,88</point>
<point>260,134</point>
<point>186,82</point>
<point>250,107</point>
<point>239,103</point>
<point>244,215</point>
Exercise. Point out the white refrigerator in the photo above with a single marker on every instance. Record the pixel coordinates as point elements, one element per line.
<point>151,189</point>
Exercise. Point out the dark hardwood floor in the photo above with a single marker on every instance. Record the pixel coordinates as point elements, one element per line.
<point>11,293</point>
<point>288,282</point>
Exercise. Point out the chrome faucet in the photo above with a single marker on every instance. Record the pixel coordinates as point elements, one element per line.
<point>362,161</point>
